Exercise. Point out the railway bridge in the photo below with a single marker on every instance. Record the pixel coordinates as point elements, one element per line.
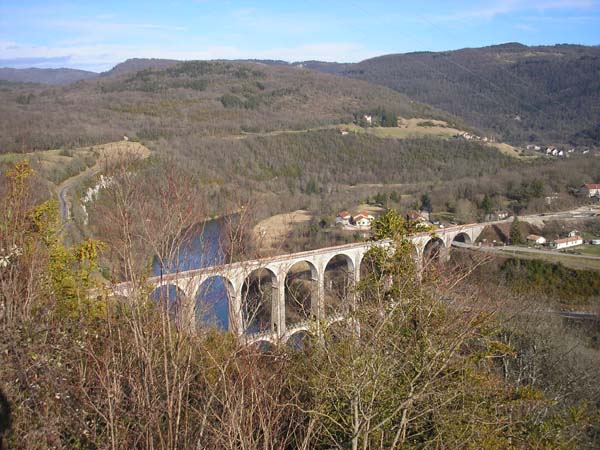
<point>258,301</point>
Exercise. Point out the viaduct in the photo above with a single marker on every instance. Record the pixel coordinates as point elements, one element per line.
<point>277,317</point>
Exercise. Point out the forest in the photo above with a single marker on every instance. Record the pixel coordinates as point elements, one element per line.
<point>545,94</point>
<point>212,98</point>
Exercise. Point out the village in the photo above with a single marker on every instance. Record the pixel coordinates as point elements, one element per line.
<point>361,221</point>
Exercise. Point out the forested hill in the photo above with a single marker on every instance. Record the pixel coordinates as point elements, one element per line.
<point>44,76</point>
<point>136,64</point>
<point>65,76</point>
<point>189,98</point>
<point>525,94</point>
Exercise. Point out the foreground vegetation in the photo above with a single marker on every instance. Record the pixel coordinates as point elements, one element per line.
<point>403,370</point>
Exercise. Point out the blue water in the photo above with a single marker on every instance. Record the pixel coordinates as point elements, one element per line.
<point>202,250</point>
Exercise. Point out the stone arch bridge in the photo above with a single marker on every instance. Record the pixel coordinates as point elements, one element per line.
<point>278,327</point>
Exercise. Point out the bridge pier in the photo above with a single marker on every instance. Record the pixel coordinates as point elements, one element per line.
<point>355,280</point>
<point>279,305</point>
<point>318,299</point>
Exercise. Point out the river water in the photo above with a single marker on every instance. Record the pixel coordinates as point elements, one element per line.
<point>203,249</point>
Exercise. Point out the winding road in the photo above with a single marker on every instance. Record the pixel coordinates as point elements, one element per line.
<point>66,186</point>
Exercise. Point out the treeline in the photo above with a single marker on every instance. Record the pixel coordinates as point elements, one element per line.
<point>553,280</point>
<point>312,162</point>
<point>324,171</point>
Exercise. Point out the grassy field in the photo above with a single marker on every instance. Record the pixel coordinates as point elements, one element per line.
<point>61,164</point>
<point>567,260</point>
<point>417,128</point>
<point>272,231</point>
<point>588,250</point>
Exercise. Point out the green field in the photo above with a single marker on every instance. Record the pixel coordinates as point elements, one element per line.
<point>588,250</point>
<point>569,260</point>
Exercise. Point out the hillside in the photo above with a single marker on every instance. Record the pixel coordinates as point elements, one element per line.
<point>191,98</point>
<point>546,95</point>
<point>136,64</point>
<point>45,76</point>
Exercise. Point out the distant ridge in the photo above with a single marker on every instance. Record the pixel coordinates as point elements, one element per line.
<point>537,94</point>
<point>65,76</point>
<point>137,64</point>
<point>45,76</point>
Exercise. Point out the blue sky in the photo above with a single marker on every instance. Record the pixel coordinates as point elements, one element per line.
<point>95,35</point>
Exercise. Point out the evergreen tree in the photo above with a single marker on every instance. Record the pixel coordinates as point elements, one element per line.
<point>486,204</point>
<point>426,202</point>
<point>516,237</point>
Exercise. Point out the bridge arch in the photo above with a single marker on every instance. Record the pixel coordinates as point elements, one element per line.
<point>301,292</point>
<point>338,276</point>
<point>170,297</point>
<point>434,249</point>
<point>263,346</point>
<point>213,302</point>
<point>259,294</point>
<point>299,340</point>
<point>462,237</point>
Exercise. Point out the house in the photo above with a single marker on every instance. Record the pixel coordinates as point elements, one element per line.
<point>566,242</point>
<point>561,153</point>
<point>343,218</point>
<point>363,219</point>
<point>497,215</point>
<point>590,189</point>
<point>573,233</point>
<point>368,119</point>
<point>535,239</point>
<point>344,132</point>
<point>416,216</point>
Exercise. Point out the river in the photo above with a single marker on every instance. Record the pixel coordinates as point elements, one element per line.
<point>203,249</point>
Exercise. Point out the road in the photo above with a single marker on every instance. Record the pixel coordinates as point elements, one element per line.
<point>583,212</point>
<point>515,251</point>
<point>66,186</point>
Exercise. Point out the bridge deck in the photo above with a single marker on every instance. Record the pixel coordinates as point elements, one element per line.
<point>299,255</point>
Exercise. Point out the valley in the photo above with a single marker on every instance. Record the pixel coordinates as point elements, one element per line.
<point>263,254</point>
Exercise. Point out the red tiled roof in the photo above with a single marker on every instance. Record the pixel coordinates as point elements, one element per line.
<point>569,239</point>
<point>592,185</point>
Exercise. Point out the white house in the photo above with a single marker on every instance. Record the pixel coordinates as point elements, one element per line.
<point>343,218</point>
<point>567,242</point>
<point>535,239</point>
<point>368,119</point>
<point>591,189</point>
<point>363,219</point>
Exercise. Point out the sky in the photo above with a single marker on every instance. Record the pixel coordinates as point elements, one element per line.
<point>96,35</point>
